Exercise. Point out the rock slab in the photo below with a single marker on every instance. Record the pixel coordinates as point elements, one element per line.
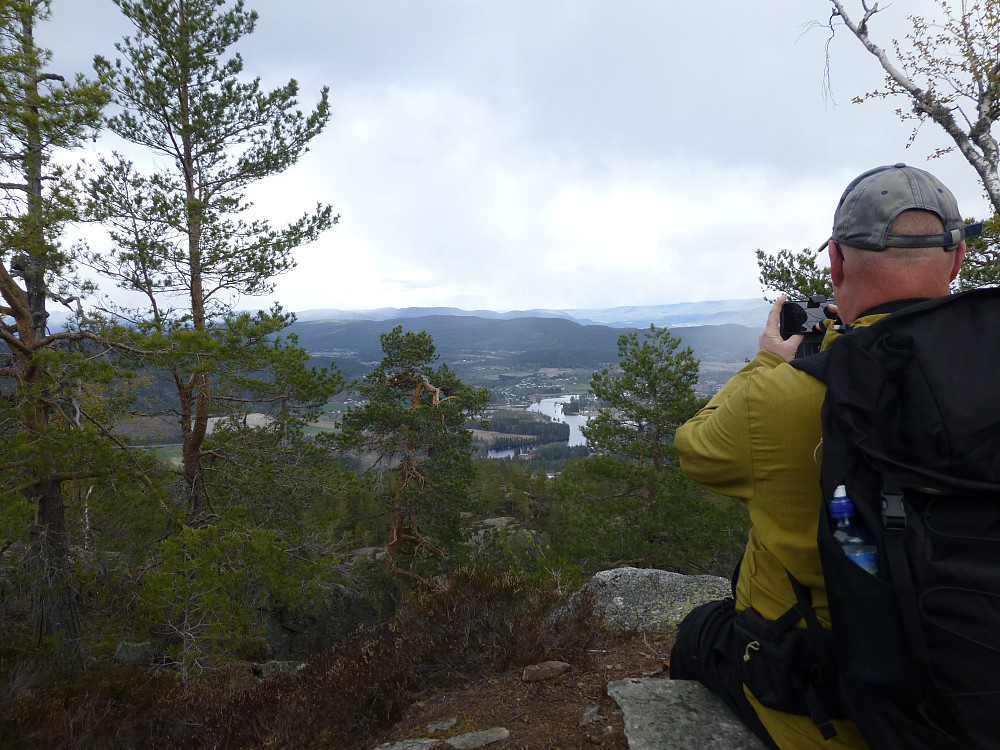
<point>467,741</point>
<point>678,715</point>
<point>473,740</point>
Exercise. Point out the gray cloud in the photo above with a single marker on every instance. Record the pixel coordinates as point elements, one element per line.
<point>567,153</point>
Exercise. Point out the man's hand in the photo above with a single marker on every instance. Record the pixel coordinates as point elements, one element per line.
<point>770,338</point>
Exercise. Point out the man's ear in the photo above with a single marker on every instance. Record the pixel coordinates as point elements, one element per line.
<point>957,264</point>
<point>837,263</point>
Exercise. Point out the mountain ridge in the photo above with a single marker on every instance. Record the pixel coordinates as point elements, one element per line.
<point>469,344</point>
<point>746,312</point>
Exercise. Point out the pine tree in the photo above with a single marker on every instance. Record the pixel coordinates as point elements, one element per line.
<point>796,274</point>
<point>180,236</point>
<point>646,397</point>
<point>413,420</point>
<point>46,443</point>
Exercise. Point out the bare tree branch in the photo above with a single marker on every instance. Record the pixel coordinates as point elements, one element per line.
<point>974,140</point>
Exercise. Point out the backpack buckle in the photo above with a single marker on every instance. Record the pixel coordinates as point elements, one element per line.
<point>893,510</point>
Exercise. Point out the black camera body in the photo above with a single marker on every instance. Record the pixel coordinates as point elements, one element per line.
<point>805,317</point>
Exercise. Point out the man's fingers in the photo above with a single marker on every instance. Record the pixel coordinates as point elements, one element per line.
<point>774,315</point>
<point>770,338</point>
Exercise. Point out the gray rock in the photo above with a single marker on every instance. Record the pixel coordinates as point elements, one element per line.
<point>294,635</point>
<point>503,526</point>
<point>678,715</point>
<point>134,653</point>
<point>500,522</point>
<point>544,671</point>
<point>442,726</point>
<point>371,554</point>
<point>473,740</point>
<point>590,715</point>
<point>468,741</point>
<point>648,599</point>
<point>412,745</point>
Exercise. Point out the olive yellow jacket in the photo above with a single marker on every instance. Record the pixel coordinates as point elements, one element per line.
<point>759,440</point>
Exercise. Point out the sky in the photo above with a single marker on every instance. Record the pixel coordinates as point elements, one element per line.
<point>558,154</point>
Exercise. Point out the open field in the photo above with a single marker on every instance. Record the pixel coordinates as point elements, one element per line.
<point>488,437</point>
<point>169,454</point>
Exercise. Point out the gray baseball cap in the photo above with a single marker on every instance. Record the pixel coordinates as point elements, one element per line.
<point>874,199</point>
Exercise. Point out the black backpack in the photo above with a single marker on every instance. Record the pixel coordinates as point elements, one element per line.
<point>911,426</point>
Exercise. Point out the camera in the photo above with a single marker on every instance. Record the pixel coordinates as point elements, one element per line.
<point>805,317</point>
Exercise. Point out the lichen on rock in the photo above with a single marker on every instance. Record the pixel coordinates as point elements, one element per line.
<point>648,599</point>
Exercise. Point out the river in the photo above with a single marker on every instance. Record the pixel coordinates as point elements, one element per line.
<point>552,408</point>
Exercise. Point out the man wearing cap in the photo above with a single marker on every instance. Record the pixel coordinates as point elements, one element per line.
<point>897,238</point>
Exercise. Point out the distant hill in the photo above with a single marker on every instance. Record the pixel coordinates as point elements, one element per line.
<point>746,312</point>
<point>528,343</point>
<point>455,334</point>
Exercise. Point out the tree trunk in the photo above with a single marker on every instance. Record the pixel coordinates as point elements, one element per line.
<point>194,481</point>
<point>53,604</point>
<point>194,427</point>
<point>200,384</point>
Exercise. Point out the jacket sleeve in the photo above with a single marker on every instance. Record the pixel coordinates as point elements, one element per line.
<point>714,446</point>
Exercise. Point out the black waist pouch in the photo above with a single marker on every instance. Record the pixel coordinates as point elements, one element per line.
<point>787,668</point>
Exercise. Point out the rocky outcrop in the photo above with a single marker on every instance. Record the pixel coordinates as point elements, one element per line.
<point>666,714</point>
<point>294,635</point>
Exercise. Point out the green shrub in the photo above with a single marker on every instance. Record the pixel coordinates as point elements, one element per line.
<point>610,513</point>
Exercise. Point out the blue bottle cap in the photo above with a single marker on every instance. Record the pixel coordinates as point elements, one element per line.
<point>841,505</point>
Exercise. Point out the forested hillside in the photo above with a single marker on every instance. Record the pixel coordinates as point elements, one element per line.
<point>468,341</point>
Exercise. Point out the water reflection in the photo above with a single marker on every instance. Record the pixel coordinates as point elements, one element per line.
<point>553,407</point>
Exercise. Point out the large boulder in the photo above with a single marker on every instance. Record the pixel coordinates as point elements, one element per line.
<point>294,634</point>
<point>649,599</point>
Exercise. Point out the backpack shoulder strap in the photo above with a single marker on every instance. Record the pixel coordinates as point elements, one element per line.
<point>814,364</point>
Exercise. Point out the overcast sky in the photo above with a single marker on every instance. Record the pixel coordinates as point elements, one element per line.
<point>519,154</point>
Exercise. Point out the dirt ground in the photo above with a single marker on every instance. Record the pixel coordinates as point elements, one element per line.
<point>547,715</point>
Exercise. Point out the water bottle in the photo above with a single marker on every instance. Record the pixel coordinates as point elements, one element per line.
<point>856,540</point>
